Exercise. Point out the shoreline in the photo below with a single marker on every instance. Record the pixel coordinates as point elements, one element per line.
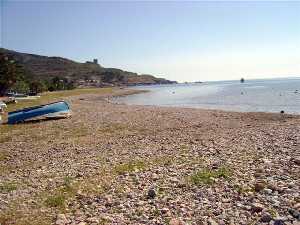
<point>185,107</point>
<point>104,164</point>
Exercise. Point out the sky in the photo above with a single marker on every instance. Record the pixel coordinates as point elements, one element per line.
<point>177,40</point>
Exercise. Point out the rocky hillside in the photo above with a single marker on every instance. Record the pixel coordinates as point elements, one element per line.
<point>82,74</point>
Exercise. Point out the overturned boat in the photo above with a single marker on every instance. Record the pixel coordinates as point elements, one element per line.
<point>59,109</point>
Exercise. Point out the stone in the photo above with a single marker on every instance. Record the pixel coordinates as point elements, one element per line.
<point>174,180</point>
<point>175,221</point>
<point>165,210</point>
<point>297,161</point>
<point>295,213</point>
<point>61,219</point>
<point>257,207</point>
<point>278,222</point>
<point>151,193</point>
<point>82,223</point>
<point>259,186</point>
<point>212,222</point>
<point>155,177</point>
<point>108,201</point>
<point>268,191</point>
<point>297,206</point>
<point>265,218</point>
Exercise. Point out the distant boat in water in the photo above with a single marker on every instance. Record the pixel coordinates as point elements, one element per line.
<point>242,80</point>
<point>59,109</point>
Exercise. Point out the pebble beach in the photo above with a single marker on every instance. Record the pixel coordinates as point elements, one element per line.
<point>125,164</point>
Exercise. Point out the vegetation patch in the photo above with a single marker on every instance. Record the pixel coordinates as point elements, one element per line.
<point>164,160</point>
<point>95,186</point>
<point>113,128</point>
<point>242,189</point>
<point>4,129</point>
<point>57,200</point>
<point>5,139</point>
<point>14,216</point>
<point>8,187</point>
<point>3,155</point>
<point>131,166</point>
<point>66,191</point>
<point>48,97</point>
<point>208,176</point>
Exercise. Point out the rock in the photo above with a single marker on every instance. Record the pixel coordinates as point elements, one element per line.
<point>176,222</point>
<point>265,218</point>
<point>296,161</point>
<point>155,177</point>
<point>257,207</point>
<point>61,219</point>
<point>297,206</point>
<point>164,210</point>
<point>174,180</point>
<point>268,191</point>
<point>93,220</point>
<point>295,213</point>
<point>212,222</point>
<point>278,222</point>
<point>259,185</point>
<point>108,201</point>
<point>82,223</point>
<point>151,193</point>
<point>258,172</point>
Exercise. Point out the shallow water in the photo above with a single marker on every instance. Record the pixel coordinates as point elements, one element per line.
<point>272,95</point>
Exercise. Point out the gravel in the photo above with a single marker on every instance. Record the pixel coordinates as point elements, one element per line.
<point>119,164</point>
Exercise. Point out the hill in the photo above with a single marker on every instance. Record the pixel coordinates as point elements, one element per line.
<point>88,74</point>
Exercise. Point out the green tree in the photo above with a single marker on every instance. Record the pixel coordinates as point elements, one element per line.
<point>21,86</point>
<point>37,86</point>
<point>9,73</point>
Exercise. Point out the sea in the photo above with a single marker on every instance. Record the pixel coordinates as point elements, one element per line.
<point>264,95</point>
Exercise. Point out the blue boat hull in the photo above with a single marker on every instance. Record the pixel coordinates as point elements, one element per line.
<point>37,111</point>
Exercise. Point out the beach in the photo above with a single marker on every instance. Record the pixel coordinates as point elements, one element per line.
<point>126,164</point>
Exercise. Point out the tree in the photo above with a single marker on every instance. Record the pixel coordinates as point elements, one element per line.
<point>21,86</point>
<point>9,73</point>
<point>37,87</point>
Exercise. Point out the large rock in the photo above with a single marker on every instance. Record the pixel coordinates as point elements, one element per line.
<point>257,207</point>
<point>175,221</point>
<point>151,193</point>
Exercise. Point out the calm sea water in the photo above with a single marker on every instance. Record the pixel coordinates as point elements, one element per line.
<point>272,95</point>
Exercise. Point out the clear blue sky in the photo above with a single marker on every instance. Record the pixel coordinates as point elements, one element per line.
<point>184,41</point>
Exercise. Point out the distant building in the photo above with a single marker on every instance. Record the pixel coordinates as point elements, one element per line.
<point>95,61</point>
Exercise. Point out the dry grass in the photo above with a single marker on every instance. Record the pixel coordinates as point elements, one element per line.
<point>66,191</point>
<point>56,96</point>
<point>19,218</point>
<point>3,155</point>
<point>7,187</point>
<point>44,99</point>
<point>132,166</point>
